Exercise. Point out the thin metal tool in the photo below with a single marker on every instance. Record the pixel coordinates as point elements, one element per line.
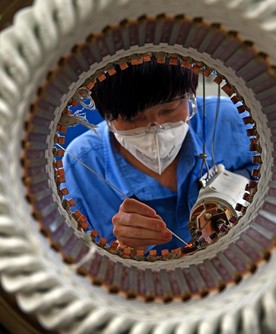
<point>109,183</point>
<point>93,171</point>
<point>184,242</point>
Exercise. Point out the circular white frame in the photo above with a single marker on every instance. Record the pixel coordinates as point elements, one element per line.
<point>30,269</point>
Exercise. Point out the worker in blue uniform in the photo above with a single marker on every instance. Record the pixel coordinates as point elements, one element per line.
<point>150,148</point>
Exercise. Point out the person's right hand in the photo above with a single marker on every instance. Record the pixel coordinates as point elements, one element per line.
<point>137,225</point>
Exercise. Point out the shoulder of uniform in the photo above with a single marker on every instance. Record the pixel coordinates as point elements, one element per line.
<point>89,141</point>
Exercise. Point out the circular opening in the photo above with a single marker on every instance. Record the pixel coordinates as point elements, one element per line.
<point>224,215</point>
<point>229,261</point>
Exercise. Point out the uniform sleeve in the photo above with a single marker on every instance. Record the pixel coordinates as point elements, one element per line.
<point>76,179</point>
<point>93,197</point>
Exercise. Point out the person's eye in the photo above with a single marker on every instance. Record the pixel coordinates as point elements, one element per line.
<point>136,118</point>
<point>173,107</point>
<point>169,111</point>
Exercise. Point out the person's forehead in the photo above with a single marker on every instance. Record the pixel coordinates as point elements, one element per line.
<point>164,105</point>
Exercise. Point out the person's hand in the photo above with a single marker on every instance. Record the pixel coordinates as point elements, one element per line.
<point>137,225</point>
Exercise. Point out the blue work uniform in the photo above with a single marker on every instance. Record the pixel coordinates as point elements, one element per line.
<point>99,202</point>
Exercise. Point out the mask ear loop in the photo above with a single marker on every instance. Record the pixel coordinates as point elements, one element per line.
<point>111,127</point>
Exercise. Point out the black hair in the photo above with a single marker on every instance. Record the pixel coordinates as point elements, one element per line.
<point>138,87</point>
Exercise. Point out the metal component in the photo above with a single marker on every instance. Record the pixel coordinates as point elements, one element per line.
<point>218,202</point>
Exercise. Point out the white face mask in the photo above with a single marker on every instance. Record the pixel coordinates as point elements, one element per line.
<point>155,146</point>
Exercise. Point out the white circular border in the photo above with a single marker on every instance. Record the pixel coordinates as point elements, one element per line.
<point>35,274</point>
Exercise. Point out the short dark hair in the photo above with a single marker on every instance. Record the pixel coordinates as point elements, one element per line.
<point>138,87</point>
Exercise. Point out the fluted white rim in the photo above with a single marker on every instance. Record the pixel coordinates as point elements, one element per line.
<point>34,273</point>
